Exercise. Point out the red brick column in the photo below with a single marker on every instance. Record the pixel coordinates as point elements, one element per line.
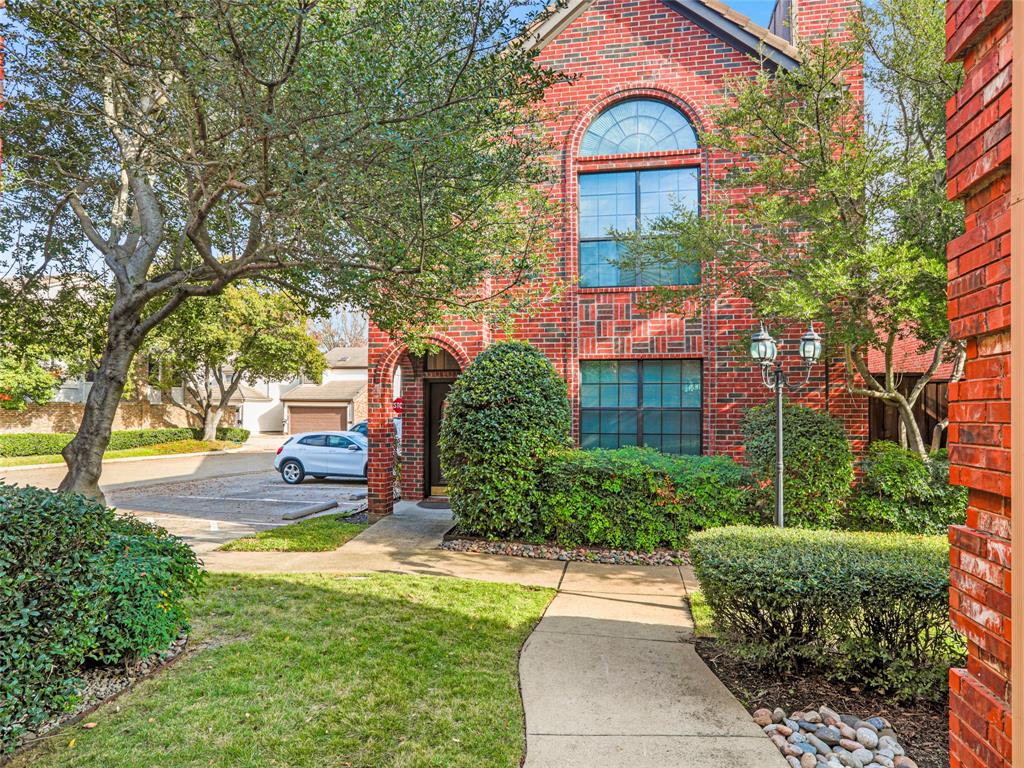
<point>978,129</point>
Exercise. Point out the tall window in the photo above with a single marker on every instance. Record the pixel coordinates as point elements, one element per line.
<point>627,201</point>
<point>655,403</point>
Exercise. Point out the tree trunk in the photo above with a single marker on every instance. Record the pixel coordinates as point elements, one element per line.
<point>211,420</point>
<point>84,454</point>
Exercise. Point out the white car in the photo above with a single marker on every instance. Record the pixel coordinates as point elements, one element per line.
<point>322,454</point>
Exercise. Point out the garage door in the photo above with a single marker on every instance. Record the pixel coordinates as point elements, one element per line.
<point>312,418</point>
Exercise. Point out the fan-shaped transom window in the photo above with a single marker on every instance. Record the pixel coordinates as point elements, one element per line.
<point>638,125</point>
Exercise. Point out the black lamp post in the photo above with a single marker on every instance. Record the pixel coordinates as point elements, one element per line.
<point>764,351</point>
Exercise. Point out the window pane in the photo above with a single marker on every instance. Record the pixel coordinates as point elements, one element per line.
<point>609,395</point>
<point>590,396</point>
<point>628,395</point>
<point>638,125</point>
<point>607,203</point>
<point>652,395</point>
<point>691,383</point>
<point>663,192</point>
<point>599,265</point>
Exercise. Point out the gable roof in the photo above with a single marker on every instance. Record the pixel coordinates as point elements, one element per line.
<point>713,16</point>
<point>348,357</point>
<point>329,391</point>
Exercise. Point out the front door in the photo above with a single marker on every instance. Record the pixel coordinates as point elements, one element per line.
<point>437,391</point>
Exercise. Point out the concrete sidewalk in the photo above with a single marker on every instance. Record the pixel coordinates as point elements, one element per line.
<point>609,678</point>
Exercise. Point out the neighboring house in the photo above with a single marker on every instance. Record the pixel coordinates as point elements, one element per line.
<point>626,136</point>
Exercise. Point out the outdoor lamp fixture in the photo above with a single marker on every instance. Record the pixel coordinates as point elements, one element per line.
<point>764,351</point>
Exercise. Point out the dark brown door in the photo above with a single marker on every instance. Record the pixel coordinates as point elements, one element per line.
<point>437,391</point>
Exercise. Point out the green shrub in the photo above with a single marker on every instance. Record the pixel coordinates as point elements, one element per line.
<point>52,601</point>
<point>148,574</point>
<point>818,461</point>
<point>866,608</point>
<point>231,434</point>
<point>507,408</point>
<point>78,583</point>
<point>899,491</point>
<point>637,498</point>
<point>46,444</point>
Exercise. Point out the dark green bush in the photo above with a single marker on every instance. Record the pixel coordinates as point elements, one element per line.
<point>148,574</point>
<point>637,498</point>
<point>52,601</point>
<point>818,460</point>
<point>899,491</point>
<point>44,444</point>
<point>507,408</point>
<point>866,608</point>
<point>77,583</point>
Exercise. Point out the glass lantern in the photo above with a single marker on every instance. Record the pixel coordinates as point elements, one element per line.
<point>763,348</point>
<point>810,347</point>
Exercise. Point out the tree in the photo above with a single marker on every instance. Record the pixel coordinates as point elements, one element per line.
<point>831,215</point>
<point>374,153</point>
<point>212,345</point>
<point>344,329</point>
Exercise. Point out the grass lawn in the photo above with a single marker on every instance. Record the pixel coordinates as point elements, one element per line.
<point>319,534</point>
<point>159,449</point>
<point>325,672</point>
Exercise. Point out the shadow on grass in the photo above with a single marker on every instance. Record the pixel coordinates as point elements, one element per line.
<point>361,671</point>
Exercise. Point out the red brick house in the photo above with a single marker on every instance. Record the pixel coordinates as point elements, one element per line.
<point>626,132</point>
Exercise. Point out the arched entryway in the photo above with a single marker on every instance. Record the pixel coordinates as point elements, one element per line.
<point>413,472</point>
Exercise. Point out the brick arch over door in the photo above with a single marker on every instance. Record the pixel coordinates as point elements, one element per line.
<point>380,474</point>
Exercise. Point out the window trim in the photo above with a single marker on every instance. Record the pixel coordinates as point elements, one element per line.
<point>639,97</point>
<point>636,171</point>
<point>639,408</point>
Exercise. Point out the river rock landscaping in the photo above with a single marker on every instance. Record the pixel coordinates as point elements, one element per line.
<point>458,543</point>
<point>822,736</point>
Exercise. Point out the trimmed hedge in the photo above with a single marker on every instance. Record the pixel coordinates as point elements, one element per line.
<point>77,583</point>
<point>818,460</point>
<point>865,608</point>
<point>637,498</point>
<point>899,491</point>
<point>46,444</point>
<point>507,409</point>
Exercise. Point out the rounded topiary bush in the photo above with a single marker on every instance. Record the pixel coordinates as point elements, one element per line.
<point>508,408</point>
<point>818,459</point>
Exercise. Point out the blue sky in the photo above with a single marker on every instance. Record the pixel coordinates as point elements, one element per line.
<point>759,11</point>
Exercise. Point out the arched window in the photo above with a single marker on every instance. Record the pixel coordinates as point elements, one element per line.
<point>638,125</point>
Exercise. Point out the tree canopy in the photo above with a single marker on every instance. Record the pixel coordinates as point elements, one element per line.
<point>379,154</point>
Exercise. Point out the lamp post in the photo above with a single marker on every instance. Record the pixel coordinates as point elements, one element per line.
<point>765,352</point>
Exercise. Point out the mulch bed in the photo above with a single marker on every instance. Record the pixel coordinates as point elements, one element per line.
<point>922,729</point>
<point>459,542</point>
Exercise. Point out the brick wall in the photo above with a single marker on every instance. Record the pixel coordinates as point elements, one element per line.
<point>618,50</point>
<point>978,129</point>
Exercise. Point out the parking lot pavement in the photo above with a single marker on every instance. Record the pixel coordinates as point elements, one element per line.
<point>211,511</point>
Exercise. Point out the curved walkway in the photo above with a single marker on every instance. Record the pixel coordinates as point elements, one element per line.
<point>609,677</point>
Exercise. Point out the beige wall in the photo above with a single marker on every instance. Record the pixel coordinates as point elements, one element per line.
<point>65,417</point>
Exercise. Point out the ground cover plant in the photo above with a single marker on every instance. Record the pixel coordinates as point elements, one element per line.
<point>869,609</point>
<point>79,584</point>
<point>319,534</point>
<point>314,670</point>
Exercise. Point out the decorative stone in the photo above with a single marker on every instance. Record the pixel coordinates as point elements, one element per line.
<point>889,744</point>
<point>864,755</point>
<point>763,717</point>
<point>792,761</point>
<point>850,720</point>
<point>867,737</point>
<point>807,725</point>
<point>778,715</point>
<point>829,735</point>
<point>879,722</point>
<point>865,724</point>
<point>849,744</point>
<point>847,731</point>
<point>796,738</point>
<point>807,760</point>
<point>785,730</point>
<point>904,762</point>
<point>849,760</point>
<point>793,725</point>
<point>818,744</point>
<point>812,717</point>
<point>884,760</point>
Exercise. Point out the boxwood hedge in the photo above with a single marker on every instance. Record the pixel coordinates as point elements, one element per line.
<point>867,608</point>
<point>50,443</point>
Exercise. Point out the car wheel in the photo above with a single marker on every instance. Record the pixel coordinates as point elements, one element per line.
<point>292,472</point>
